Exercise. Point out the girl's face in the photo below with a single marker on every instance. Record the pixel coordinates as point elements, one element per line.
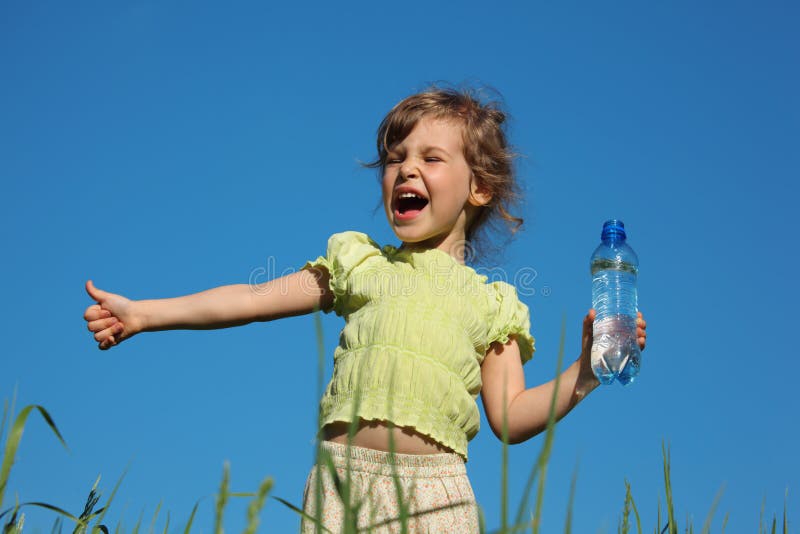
<point>428,190</point>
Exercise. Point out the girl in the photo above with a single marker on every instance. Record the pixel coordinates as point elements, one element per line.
<point>423,334</point>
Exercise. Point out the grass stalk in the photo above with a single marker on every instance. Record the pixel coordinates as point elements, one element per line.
<point>785,520</point>
<point>189,523</point>
<point>673,526</point>
<point>222,499</point>
<point>152,529</point>
<point>707,523</point>
<point>571,502</point>
<point>544,456</point>
<point>625,526</point>
<point>256,505</point>
<point>14,438</point>
<point>504,463</point>
<point>102,513</point>
<point>320,385</point>
<point>138,524</point>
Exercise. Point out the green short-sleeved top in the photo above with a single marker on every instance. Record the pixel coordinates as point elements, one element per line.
<point>418,325</point>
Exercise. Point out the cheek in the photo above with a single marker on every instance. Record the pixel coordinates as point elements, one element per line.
<point>386,196</point>
<point>386,187</point>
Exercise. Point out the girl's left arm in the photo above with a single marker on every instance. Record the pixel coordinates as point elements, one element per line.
<point>527,410</point>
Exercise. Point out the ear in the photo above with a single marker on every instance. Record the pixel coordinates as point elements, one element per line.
<point>478,195</point>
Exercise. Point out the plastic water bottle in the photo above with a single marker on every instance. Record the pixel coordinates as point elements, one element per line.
<point>615,350</point>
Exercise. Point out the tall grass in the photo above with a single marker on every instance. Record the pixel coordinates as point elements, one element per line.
<point>91,520</point>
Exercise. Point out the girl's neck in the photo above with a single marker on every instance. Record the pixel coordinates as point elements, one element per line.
<point>454,250</point>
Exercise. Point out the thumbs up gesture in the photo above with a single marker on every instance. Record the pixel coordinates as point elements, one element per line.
<point>112,318</point>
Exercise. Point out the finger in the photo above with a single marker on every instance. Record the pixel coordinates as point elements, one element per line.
<point>102,324</point>
<point>94,312</point>
<point>588,331</point>
<point>107,344</point>
<point>641,323</point>
<point>96,294</point>
<point>109,332</point>
<point>642,342</point>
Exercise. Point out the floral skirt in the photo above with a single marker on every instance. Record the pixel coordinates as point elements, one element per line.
<point>435,491</point>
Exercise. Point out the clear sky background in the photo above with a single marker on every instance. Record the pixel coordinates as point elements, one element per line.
<point>162,148</point>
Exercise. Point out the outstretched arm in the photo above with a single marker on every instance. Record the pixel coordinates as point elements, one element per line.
<point>115,318</point>
<point>528,409</point>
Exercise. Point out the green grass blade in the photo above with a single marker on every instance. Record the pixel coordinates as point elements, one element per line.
<point>658,521</point>
<point>222,499</point>
<point>88,507</point>
<point>4,421</point>
<point>188,527</point>
<point>118,528</point>
<point>301,513</point>
<point>256,505</point>
<point>673,526</point>
<point>712,511</point>
<point>320,385</point>
<point>138,524</point>
<point>46,506</point>
<point>625,526</point>
<point>630,506</point>
<point>351,505</point>
<point>155,516</point>
<point>725,521</point>
<point>415,514</point>
<point>504,462</point>
<point>101,517</point>
<point>527,492</point>
<point>14,437</point>
<point>166,527</point>
<point>571,502</point>
<point>544,456</point>
<point>785,520</point>
<point>636,515</point>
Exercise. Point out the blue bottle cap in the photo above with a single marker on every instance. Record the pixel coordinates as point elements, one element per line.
<point>613,230</point>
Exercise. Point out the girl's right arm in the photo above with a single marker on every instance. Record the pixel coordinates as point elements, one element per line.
<point>115,318</point>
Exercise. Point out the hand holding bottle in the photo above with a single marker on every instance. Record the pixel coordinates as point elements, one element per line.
<point>587,340</point>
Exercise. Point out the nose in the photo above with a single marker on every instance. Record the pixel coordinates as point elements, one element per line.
<point>408,169</point>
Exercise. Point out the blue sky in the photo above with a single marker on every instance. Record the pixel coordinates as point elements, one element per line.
<point>162,148</point>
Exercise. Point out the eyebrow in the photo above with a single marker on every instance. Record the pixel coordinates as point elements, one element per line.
<point>424,149</point>
<point>429,148</point>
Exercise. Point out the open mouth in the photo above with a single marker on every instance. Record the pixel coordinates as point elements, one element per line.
<point>409,204</point>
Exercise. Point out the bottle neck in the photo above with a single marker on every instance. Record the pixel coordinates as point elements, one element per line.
<point>613,241</point>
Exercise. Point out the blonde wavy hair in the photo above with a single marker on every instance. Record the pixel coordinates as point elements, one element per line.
<point>486,151</point>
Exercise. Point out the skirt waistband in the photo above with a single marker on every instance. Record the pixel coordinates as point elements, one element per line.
<point>386,463</point>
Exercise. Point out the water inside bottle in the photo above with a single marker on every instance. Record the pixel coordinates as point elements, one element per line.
<point>615,349</point>
<point>614,290</point>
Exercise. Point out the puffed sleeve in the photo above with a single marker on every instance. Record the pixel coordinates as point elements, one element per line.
<point>346,251</point>
<point>511,317</point>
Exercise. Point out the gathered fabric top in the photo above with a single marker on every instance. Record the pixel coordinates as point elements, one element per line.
<point>417,327</point>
